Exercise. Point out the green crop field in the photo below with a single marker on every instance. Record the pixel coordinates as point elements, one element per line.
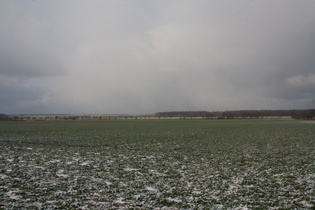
<point>162,164</point>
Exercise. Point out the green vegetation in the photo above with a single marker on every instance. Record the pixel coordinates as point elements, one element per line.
<point>157,163</point>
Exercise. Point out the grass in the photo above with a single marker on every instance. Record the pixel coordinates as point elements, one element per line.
<point>157,163</point>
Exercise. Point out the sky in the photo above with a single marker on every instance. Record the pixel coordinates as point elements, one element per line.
<point>147,56</point>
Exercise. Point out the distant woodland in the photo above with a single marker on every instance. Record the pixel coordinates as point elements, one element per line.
<point>296,114</point>
<point>308,114</point>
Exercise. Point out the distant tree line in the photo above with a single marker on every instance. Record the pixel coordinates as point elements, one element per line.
<point>308,114</point>
<point>42,117</point>
<point>305,115</point>
<point>296,114</point>
<point>3,116</point>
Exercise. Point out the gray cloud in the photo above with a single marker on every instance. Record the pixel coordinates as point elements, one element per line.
<point>25,48</point>
<point>148,56</point>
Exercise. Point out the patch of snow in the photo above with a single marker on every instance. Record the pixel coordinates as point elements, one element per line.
<point>196,191</point>
<point>214,197</point>
<point>137,196</point>
<point>13,196</point>
<point>3,176</point>
<point>121,201</point>
<point>38,205</point>
<point>312,122</point>
<point>218,206</point>
<point>151,189</point>
<point>55,161</point>
<point>99,180</point>
<point>58,192</point>
<point>86,163</point>
<point>130,169</point>
<point>176,200</point>
<point>108,183</point>
<point>156,173</point>
<point>61,174</point>
<point>306,204</point>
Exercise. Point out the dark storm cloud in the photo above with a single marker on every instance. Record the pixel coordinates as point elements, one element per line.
<point>28,62</point>
<point>18,94</point>
<point>25,53</point>
<point>25,48</point>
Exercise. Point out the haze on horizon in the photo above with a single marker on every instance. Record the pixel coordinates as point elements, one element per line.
<point>146,56</point>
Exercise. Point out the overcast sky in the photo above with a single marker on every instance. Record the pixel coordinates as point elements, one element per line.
<point>146,56</point>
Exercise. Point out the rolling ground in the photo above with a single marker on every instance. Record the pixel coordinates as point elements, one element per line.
<point>138,164</point>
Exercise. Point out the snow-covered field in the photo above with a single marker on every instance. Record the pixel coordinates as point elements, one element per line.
<point>170,164</point>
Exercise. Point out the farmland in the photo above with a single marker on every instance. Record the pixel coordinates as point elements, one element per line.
<point>170,164</point>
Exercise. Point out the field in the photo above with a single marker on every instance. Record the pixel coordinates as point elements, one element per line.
<point>162,164</point>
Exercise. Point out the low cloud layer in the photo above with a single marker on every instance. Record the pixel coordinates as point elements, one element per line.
<point>149,56</point>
